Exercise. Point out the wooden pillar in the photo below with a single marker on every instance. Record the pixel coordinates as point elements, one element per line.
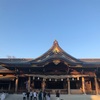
<point>32,85</point>
<point>43,84</point>
<point>16,84</point>
<point>68,80</point>
<point>83,85</point>
<point>96,85</point>
<point>29,82</point>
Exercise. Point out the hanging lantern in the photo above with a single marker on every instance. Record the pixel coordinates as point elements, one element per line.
<point>68,79</point>
<point>44,79</point>
<point>61,79</point>
<point>73,79</point>
<point>33,78</point>
<point>77,78</point>
<point>38,78</point>
<point>50,79</point>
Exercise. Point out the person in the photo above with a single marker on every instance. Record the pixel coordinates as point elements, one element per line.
<point>58,95</point>
<point>26,83</point>
<point>3,96</point>
<point>40,95</point>
<point>31,95</point>
<point>48,96</point>
<point>44,95</point>
<point>27,95</point>
<point>34,95</point>
<point>24,95</point>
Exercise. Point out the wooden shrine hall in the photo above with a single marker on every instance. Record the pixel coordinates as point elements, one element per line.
<point>54,70</point>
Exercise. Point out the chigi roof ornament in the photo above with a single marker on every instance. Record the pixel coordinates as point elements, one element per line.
<point>56,42</point>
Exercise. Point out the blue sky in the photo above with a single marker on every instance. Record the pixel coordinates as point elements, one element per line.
<point>29,27</point>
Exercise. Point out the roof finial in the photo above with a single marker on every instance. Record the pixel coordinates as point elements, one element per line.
<point>55,42</point>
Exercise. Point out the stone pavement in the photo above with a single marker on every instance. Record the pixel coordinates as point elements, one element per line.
<point>62,97</point>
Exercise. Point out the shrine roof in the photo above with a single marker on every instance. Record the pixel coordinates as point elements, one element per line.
<point>54,53</point>
<point>91,60</point>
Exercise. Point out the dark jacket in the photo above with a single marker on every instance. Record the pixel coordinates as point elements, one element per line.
<point>57,94</point>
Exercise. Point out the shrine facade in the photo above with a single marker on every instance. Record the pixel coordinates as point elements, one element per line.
<point>54,70</point>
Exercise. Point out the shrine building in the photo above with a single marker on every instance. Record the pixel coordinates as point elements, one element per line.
<point>54,70</point>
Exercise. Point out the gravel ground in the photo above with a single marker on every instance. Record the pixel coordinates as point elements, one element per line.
<point>62,97</point>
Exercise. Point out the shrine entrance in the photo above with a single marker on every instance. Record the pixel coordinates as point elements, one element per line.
<point>37,83</point>
<point>7,85</point>
<point>75,84</point>
<point>54,85</point>
<point>4,85</point>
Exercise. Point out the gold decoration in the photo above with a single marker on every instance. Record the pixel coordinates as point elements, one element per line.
<point>56,50</point>
<point>56,62</point>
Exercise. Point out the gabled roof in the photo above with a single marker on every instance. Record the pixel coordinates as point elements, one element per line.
<point>56,52</point>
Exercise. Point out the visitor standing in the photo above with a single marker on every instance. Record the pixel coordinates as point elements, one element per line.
<point>44,95</point>
<point>40,95</point>
<point>24,95</point>
<point>3,96</point>
<point>27,95</point>
<point>31,95</point>
<point>48,96</point>
<point>34,95</point>
<point>58,95</point>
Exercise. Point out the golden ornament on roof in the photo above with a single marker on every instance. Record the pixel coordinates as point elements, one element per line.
<point>56,50</point>
<point>56,62</point>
